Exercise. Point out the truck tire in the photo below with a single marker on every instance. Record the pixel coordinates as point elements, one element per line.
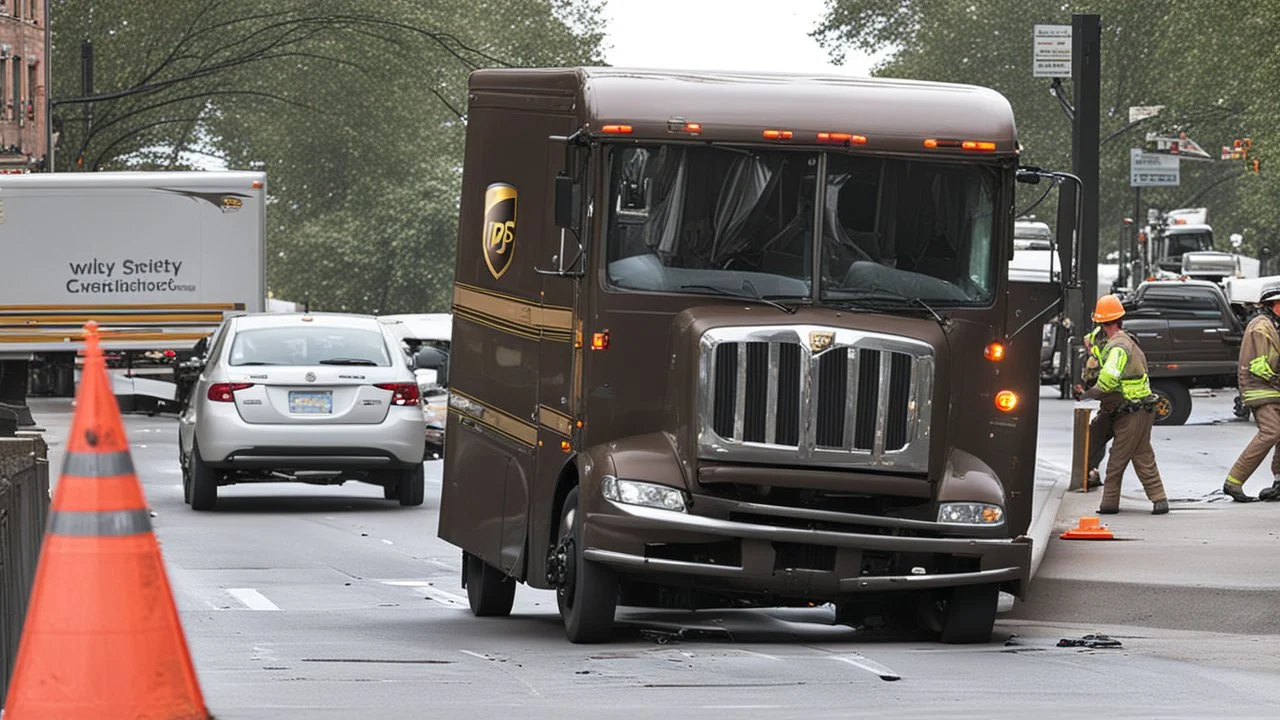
<point>1174,404</point>
<point>970,614</point>
<point>490,592</point>
<point>589,596</point>
<point>204,482</point>
<point>411,490</point>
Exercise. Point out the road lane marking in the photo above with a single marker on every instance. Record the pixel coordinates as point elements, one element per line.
<point>252,599</point>
<point>447,599</point>
<point>506,671</point>
<point>388,542</point>
<point>870,666</point>
<point>759,655</point>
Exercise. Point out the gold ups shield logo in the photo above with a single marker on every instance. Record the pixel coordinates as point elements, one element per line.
<point>499,227</point>
<point>819,341</point>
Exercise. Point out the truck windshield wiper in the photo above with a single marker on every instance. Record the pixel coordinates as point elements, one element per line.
<point>748,293</point>
<point>348,361</point>
<point>872,293</point>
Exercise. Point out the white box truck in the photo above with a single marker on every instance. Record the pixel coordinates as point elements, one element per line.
<point>157,259</point>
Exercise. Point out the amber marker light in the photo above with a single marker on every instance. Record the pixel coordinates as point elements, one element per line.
<point>600,340</point>
<point>1006,400</point>
<point>616,129</point>
<point>981,146</point>
<point>839,137</point>
<point>994,352</point>
<point>778,134</point>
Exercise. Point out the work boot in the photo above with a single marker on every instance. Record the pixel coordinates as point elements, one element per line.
<point>1236,492</point>
<point>1093,479</point>
<point>1160,507</point>
<point>1272,493</point>
<point>1108,511</point>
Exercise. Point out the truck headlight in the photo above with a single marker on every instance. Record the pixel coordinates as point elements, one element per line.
<point>634,492</point>
<point>970,513</point>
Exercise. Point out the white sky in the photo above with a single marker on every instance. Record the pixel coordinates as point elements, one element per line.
<point>722,35</point>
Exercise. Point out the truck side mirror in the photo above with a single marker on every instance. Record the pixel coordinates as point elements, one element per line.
<point>566,202</point>
<point>429,358</point>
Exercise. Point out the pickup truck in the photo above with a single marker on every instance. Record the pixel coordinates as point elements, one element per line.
<point>1191,336</point>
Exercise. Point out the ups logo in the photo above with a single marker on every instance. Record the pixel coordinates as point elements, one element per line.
<point>499,227</point>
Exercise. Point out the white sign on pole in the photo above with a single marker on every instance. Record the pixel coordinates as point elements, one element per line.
<point>1142,112</point>
<point>1052,51</point>
<point>1151,170</point>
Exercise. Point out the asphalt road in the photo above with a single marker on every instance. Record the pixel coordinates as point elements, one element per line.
<point>310,602</point>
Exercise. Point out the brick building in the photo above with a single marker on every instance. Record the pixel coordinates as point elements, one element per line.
<point>23,55</point>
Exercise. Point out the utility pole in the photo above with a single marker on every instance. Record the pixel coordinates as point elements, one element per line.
<point>1086,80</point>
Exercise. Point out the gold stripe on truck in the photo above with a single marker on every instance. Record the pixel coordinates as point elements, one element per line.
<point>492,418</point>
<point>555,421</point>
<point>506,313</point>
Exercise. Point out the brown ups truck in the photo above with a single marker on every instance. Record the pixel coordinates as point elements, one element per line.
<point>736,340</point>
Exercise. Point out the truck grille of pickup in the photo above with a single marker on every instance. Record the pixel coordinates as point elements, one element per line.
<point>860,403</point>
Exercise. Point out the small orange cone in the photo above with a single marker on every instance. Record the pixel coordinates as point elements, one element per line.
<point>102,638</point>
<point>1088,529</point>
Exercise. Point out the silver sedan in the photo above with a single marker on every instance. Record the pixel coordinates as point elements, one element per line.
<point>317,398</point>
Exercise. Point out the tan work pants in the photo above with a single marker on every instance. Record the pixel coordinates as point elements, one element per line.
<point>1268,438</point>
<point>1101,430</point>
<point>1132,444</point>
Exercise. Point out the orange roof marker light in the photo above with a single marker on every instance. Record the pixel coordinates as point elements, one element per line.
<point>979,145</point>
<point>616,129</point>
<point>994,352</point>
<point>839,137</point>
<point>778,134</point>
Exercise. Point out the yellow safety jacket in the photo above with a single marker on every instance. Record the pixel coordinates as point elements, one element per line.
<point>1259,362</point>
<point>1124,371</point>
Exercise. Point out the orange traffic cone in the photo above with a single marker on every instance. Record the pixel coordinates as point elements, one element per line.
<point>1088,529</point>
<point>102,638</point>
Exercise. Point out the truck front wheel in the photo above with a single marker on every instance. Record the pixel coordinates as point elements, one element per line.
<point>970,614</point>
<point>588,597</point>
<point>1173,404</point>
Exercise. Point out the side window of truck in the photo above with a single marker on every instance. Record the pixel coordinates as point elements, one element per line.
<point>1182,303</point>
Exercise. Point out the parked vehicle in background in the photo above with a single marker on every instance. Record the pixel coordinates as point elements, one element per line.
<point>314,398</point>
<point>157,259</point>
<point>428,330</point>
<point>1191,336</point>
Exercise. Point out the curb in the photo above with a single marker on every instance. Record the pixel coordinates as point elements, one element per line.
<point>1042,523</point>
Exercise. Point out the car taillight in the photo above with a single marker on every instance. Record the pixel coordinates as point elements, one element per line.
<point>225,392</point>
<point>402,393</point>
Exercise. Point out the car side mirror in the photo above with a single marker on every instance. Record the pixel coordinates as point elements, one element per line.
<point>566,202</point>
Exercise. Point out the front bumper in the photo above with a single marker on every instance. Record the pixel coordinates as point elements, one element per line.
<point>712,551</point>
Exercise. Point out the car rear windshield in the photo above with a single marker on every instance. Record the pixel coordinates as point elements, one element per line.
<point>309,346</point>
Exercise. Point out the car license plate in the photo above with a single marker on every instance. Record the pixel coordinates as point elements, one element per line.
<point>310,402</point>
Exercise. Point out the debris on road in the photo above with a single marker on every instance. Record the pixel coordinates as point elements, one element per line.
<point>1090,641</point>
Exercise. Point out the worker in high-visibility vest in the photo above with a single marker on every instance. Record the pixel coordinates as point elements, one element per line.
<point>1100,427</point>
<point>1259,380</point>
<point>1124,392</point>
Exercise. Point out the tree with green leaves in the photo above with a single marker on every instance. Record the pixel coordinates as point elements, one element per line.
<point>355,109</point>
<point>1204,61</point>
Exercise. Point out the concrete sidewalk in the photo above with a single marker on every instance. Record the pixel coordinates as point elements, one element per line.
<point>1209,565</point>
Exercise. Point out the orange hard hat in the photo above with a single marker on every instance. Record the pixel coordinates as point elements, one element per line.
<point>1108,310</point>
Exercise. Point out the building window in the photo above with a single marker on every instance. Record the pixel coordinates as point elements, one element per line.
<point>17,88</point>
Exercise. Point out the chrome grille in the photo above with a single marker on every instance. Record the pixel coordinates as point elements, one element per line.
<point>824,395</point>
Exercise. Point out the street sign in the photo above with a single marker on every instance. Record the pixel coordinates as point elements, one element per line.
<point>1142,112</point>
<point>1151,170</point>
<point>1052,51</point>
<point>1181,145</point>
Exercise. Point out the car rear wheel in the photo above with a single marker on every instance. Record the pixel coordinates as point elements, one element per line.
<point>588,597</point>
<point>412,488</point>
<point>1173,402</point>
<point>204,482</point>
<point>490,592</point>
